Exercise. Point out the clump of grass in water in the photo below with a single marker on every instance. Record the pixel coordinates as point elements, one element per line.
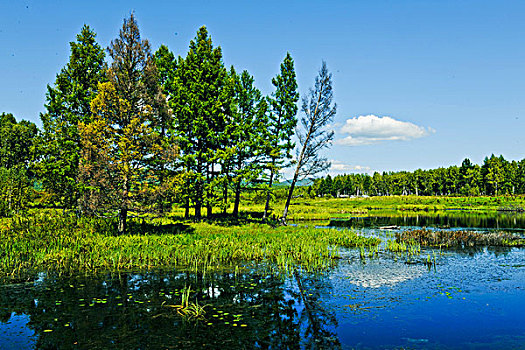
<point>431,260</point>
<point>411,247</point>
<point>188,309</point>
<point>442,238</point>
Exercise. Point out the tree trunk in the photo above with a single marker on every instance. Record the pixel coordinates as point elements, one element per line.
<point>209,207</point>
<point>199,191</point>
<point>237,199</point>
<point>187,209</point>
<point>122,220</point>
<point>225,196</point>
<point>290,193</point>
<point>160,199</point>
<point>268,195</point>
<point>123,213</point>
<point>198,200</point>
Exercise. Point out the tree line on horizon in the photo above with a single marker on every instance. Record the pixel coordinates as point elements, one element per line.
<point>139,131</point>
<point>496,176</point>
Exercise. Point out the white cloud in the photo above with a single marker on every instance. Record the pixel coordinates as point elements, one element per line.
<point>339,167</point>
<point>370,129</point>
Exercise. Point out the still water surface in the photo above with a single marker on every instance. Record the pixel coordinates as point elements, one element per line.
<point>471,299</point>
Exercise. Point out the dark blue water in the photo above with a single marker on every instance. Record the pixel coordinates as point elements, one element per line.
<point>478,220</point>
<point>470,300</point>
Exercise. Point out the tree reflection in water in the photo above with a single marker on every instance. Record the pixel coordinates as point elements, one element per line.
<point>128,311</point>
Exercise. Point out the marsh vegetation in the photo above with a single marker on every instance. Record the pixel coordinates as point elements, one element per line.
<point>352,299</point>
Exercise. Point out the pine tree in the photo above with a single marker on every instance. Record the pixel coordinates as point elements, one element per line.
<point>68,104</point>
<point>247,133</point>
<point>283,107</point>
<point>166,66</point>
<point>201,100</point>
<point>121,141</point>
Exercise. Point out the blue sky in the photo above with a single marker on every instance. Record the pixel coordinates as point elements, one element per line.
<point>418,84</point>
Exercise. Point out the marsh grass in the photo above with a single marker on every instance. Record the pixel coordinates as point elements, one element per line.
<point>71,245</point>
<point>463,239</point>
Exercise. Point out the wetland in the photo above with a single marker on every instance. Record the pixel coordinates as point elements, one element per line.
<point>334,284</point>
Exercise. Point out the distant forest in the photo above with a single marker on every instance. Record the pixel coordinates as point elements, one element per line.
<point>496,176</point>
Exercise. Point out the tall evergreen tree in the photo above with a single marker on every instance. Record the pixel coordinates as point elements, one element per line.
<point>247,132</point>
<point>201,101</point>
<point>166,66</point>
<point>283,107</point>
<point>122,136</point>
<point>319,110</point>
<point>67,104</point>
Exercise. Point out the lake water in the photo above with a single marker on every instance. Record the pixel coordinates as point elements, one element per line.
<point>508,221</point>
<point>471,299</point>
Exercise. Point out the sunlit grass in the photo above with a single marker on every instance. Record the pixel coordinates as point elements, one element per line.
<point>70,245</point>
<point>327,208</point>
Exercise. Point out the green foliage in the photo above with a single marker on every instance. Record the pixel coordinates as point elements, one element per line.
<point>282,120</point>
<point>16,155</point>
<point>283,107</point>
<point>16,142</point>
<point>15,191</point>
<point>67,105</point>
<point>247,135</point>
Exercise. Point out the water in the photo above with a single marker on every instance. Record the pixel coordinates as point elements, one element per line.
<point>442,219</point>
<point>471,299</point>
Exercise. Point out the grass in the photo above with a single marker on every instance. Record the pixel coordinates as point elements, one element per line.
<point>327,208</point>
<point>71,245</point>
<point>463,239</point>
